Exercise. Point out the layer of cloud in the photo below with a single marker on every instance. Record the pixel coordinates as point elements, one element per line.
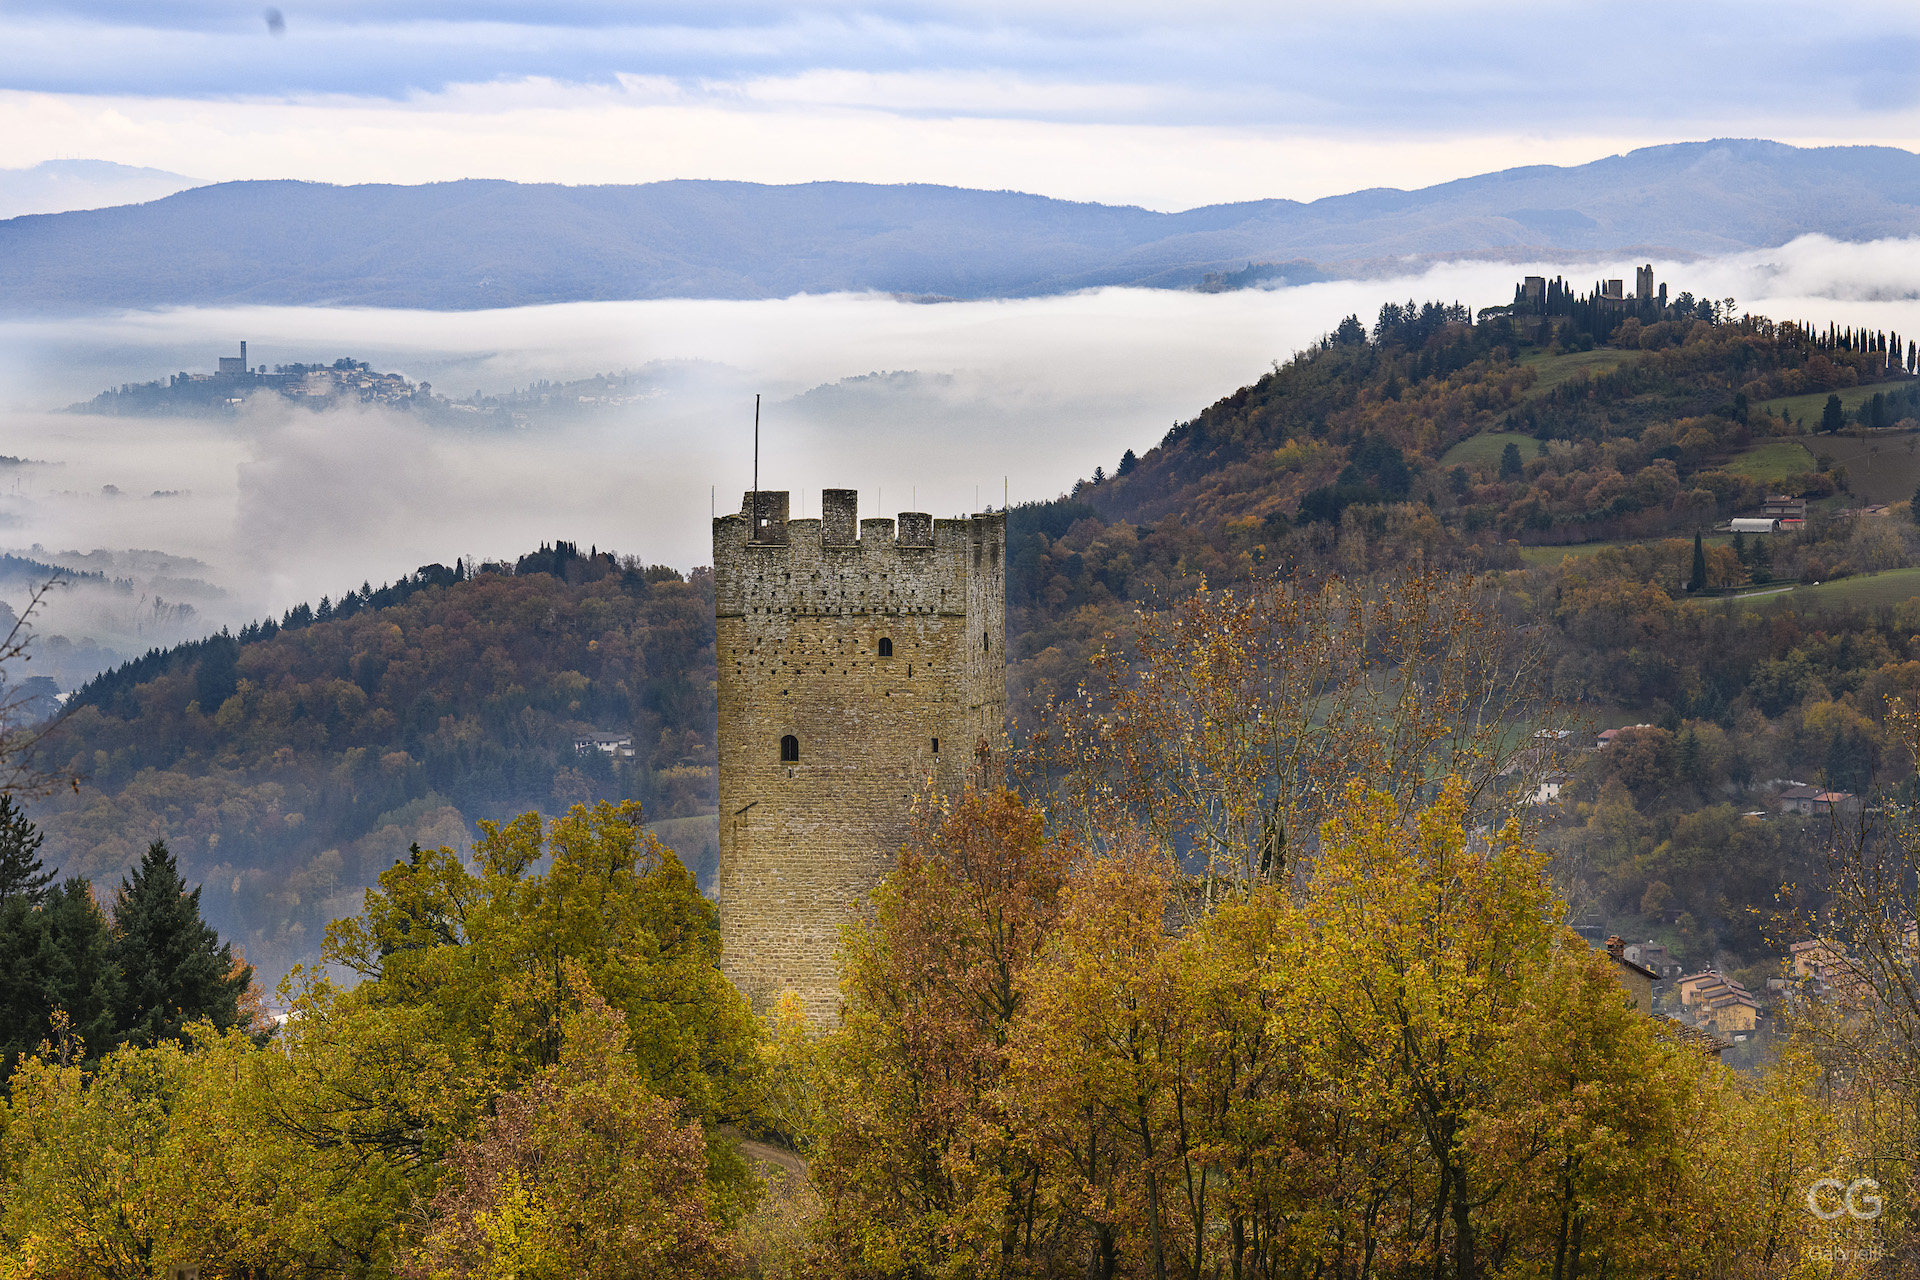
<point>1231,62</point>
<point>931,407</point>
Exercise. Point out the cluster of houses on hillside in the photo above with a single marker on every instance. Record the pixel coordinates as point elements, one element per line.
<point>1808,800</point>
<point>1714,1002</point>
<point>1644,970</point>
<point>1713,1012</point>
<point>1708,1009</point>
<point>1544,763</point>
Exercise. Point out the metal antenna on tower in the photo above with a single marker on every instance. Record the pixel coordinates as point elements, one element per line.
<point>753,535</point>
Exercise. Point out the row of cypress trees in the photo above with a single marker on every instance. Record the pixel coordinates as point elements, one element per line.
<point>83,981</point>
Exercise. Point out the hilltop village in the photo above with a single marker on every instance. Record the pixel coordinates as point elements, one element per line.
<point>345,381</point>
<point>348,381</point>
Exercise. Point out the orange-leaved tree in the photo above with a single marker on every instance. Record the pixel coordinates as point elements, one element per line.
<point>916,1168</point>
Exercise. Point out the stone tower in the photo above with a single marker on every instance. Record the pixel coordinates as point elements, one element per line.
<point>858,660</point>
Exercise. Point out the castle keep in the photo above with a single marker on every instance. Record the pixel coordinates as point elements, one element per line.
<point>858,659</point>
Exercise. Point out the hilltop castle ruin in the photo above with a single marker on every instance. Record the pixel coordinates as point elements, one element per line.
<point>858,659</point>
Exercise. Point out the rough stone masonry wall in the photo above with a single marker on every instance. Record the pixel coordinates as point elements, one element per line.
<point>799,624</point>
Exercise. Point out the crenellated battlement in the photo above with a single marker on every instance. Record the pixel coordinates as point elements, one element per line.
<point>910,564</point>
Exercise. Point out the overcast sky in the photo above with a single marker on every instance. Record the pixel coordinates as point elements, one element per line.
<point>1162,105</point>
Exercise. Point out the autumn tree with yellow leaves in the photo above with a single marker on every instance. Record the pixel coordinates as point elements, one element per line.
<point>1411,1068</point>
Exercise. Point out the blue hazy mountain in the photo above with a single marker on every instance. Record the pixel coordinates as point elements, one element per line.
<point>459,245</point>
<point>53,186</point>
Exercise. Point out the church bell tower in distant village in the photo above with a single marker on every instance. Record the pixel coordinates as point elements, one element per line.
<point>857,660</point>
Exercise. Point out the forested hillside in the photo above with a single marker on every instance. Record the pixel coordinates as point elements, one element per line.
<point>287,766</point>
<point>1430,440</point>
<point>1575,473</point>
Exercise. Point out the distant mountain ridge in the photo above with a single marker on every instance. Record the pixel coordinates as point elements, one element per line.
<point>485,243</point>
<point>54,186</point>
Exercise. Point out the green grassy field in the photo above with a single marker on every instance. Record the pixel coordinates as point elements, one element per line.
<point>1814,403</point>
<point>1772,461</point>
<point>1865,590</point>
<point>1554,370</point>
<point>1486,448</point>
<point>1548,557</point>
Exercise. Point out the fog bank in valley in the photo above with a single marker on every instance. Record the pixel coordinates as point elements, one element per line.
<point>925,406</point>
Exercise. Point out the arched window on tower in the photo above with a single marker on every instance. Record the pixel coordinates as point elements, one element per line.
<point>789,749</point>
<point>886,647</point>
<point>986,645</point>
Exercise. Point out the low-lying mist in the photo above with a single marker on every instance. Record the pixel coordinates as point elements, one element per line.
<point>199,523</point>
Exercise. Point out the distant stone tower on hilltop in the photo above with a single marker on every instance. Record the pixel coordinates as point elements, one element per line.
<point>856,659</point>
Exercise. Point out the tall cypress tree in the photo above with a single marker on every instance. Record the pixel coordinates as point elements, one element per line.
<point>1833,417</point>
<point>173,967</point>
<point>21,875</point>
<point>1699,578</point>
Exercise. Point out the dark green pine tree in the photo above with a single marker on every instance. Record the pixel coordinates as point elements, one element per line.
<point>1510,465</point>
<point>21,875</point>
<point>173,968</point>
<point>1690,759</point>
<point>55,955</point>
<point>1699,578</point>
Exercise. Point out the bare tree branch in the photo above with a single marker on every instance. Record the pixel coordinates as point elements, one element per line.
<point>1236,725</point>
<point>21,733</point>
